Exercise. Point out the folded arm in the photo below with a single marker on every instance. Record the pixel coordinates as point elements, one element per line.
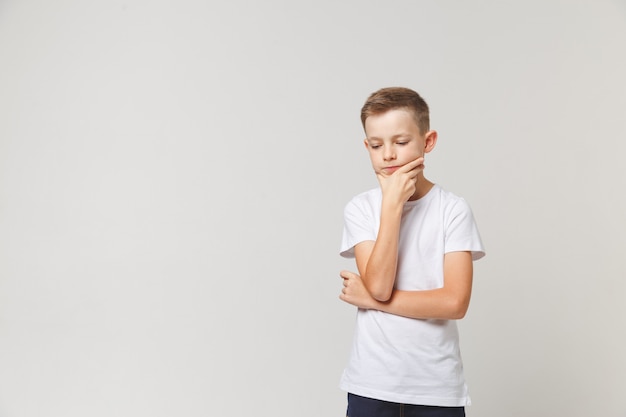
<point>449,302</point>
<point>377,261</point>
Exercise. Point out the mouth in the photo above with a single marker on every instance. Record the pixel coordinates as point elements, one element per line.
<point>390,170</point>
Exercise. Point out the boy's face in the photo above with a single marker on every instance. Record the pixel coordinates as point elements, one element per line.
<point>393,140</point>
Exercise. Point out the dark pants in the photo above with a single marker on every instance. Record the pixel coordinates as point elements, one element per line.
<point>368,407</point>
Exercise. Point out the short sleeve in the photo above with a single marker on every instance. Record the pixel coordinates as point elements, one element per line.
<point>462,232</point>
<point>359,226</point>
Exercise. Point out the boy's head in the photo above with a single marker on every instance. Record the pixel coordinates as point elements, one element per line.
<point>392,98</point>
<point>397,131</point>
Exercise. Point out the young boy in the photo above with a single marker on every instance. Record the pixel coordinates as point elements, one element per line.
<point>414,244</point>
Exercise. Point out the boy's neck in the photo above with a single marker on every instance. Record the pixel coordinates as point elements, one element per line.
<point>423,187</point>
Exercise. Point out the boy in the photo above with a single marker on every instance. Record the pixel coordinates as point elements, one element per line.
<point>414,244</point>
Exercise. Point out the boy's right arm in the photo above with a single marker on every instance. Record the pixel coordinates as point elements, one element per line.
<point>377,261</point>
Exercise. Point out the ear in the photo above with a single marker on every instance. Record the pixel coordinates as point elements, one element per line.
<point>367,144</point>
<point>430,141</point>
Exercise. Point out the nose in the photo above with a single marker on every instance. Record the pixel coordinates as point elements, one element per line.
<point>389,153</point>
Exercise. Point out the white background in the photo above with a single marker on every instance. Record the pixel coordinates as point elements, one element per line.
<point>173,175</point>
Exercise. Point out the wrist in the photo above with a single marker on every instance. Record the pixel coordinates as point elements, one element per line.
<point>392,206</point>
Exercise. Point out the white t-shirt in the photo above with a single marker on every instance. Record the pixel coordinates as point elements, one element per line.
<point>395,358</point>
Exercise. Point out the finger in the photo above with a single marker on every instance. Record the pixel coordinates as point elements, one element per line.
<point>416,171</point>
<point>419,166</point>
<point>346,274</point>
<point>412,167</point>
<point>414,163</point>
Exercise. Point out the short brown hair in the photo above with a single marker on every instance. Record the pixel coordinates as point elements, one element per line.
<point>391,98</point>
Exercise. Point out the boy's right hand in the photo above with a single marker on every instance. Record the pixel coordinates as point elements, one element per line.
<point>401,184</point>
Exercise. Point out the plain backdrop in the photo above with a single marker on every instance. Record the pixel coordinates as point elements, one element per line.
<point>173,176</point>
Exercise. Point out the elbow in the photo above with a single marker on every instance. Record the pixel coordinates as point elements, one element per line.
<point>381,294</point>
<point>458,315</point>
<point>380,291</point>
<point>458,309</point>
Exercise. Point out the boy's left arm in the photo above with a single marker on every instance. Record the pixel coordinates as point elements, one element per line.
<point>449,302</point>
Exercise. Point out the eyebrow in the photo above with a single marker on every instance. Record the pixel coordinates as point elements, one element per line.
<point>398,136</point>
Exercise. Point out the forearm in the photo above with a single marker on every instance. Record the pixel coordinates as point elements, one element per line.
<point>429,304</point>
<point>379,274</point>
<point>450,302</point>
